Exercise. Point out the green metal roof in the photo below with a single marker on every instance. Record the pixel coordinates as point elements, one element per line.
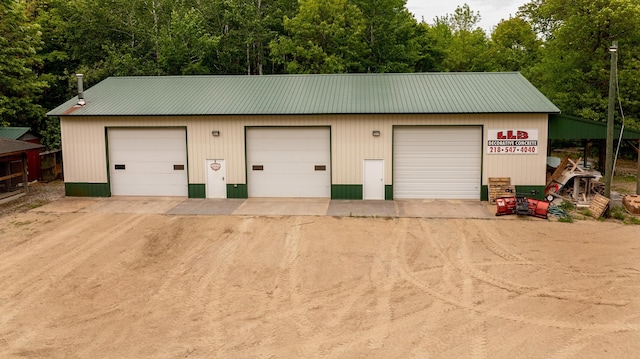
<point>14,133</point>
<point>565,127</point>
<point>442,93</point>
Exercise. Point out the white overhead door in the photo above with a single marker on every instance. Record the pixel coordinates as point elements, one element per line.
<point>289,162</point>
<point>148,162</point>
<point>437,162</point>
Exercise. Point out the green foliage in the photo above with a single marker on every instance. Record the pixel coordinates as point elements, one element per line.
<point>51,134</point>
<point>514,45</point>
<point>326,36</point>
<point>390,35</point>
<point>185,44</point>
<point>618,213</point>
<point>566,206</point>
<point>20,85</point>
<point>465,44</point>
<point>574,68</point>
<point>567,219</point>
<point>621,214</point>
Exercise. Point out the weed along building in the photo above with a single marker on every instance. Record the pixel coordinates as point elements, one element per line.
<point>347,136</point>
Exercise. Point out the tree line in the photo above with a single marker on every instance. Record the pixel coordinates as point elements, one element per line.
<point>561,46</point>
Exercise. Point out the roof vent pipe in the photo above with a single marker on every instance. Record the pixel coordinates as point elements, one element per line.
<point>81,101</point>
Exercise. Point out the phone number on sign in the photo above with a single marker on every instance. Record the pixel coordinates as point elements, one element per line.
<point>513,149</point>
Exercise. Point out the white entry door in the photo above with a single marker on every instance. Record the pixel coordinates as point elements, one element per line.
<point>216,179</point>
<point>373,181</point>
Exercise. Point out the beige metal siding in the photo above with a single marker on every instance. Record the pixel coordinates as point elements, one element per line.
<point>351,142</point>
<point>84,154</point>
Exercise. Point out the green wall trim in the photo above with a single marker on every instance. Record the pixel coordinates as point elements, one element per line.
<point>346,191</point>
<point>197,190</point>
<point>527,190</point>
<point>388,192</point>
<point>237,191</point>
<point>79,189</point>
<point>484,193</point>
<point>519,190</point>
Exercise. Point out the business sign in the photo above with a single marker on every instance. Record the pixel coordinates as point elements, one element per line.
<point>512,142</point>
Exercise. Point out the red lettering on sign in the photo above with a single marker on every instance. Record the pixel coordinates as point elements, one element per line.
<point>519,135</point>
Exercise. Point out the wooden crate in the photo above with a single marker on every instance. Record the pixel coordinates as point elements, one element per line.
<point>500,187</point>
<point>598,205</point>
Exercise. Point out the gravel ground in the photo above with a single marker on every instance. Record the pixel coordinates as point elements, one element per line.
<point>40,193</point>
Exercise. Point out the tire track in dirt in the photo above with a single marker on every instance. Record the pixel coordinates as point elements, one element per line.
<point>441,254</point>
<point>211,280</point>
<point>464,289</point>
<point>70,245</point>
<point>426,342</point>
<point>69,249</point>
<point>351,298</point>
<point>551,291</point>
<point>408,275</point>
<point>466,266</point>
<point>497,249</point>
<point>531,291</point>
<point>401,269</point>
<point>479,337</point>
<point>577,343</point>
<point>383,305</point>
<point>41,242</point>
<point>548,291</point>
<point>286,286</point>
<point>500,251</point>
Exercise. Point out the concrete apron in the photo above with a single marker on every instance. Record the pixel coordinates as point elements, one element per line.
<point>274,207</point>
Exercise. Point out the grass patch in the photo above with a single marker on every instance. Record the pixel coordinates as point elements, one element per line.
<point>586,212</point>
<point>567,219</point>
<point>35,205</point>
<point>620,214</point>
<point>627,178</point>
<point>566,206</point>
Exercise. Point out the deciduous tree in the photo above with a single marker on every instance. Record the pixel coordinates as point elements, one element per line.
<point>326,36</point>
<point>20,85</point>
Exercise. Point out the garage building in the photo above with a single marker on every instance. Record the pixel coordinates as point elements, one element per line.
<point>345,136</point>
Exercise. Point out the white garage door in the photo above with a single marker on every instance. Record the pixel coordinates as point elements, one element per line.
<point>289,162</point>
<point>438,162</point>
<point>148,162</point>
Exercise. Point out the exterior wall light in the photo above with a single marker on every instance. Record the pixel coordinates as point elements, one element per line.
<point>375,133</point>
<point>215,133</point>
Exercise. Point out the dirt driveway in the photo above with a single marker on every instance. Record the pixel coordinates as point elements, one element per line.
<point>92,285</point>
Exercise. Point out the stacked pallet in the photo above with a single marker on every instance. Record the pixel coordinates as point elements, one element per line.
<point>500,187</point>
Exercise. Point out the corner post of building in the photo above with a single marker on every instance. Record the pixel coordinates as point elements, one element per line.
<point>25,172</point>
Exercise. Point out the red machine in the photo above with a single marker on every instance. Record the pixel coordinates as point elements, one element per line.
<point>522,205</point>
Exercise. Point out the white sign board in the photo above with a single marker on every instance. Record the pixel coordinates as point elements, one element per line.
<point>512,142</point>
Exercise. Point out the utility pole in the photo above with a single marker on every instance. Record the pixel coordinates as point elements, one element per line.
<point>612,94</point>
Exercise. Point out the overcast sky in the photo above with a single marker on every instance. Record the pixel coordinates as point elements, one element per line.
<point>491,11</point>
